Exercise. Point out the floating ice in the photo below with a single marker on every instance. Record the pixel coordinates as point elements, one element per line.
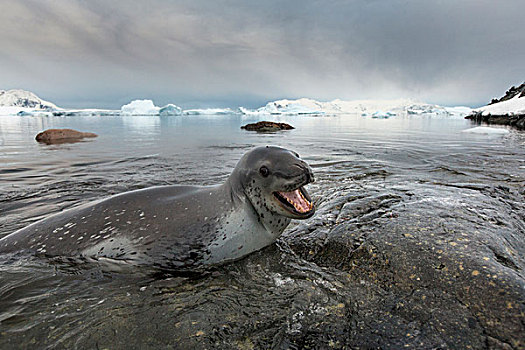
<point>140,107</point>
<point>208,111</point>
<point>24,114</point>
<point>24,111</point>
<point>288,107</point>
<point>484,130</point>
<point>459,111</point>
<point>305,106</point>
<point>85,112</point>
<point>425,109</point>
<point>170,109</point>
<point>383,115</point>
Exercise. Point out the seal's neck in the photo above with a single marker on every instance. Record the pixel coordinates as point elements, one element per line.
<point>273,223</point>
<point>233,190</point>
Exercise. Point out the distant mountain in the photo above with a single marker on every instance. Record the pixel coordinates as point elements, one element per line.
<point>373,108</point>
<point>24,99</point>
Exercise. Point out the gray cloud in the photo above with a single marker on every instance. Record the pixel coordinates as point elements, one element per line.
<point>99,53</point>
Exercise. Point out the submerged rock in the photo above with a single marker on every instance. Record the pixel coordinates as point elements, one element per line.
<point>53,136</point>
<point>266,126</point>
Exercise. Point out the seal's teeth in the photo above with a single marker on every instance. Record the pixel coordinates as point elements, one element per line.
<point>297,200</point>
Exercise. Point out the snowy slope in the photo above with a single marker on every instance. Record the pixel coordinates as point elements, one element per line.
<point>24,99</point>
<point>514,106</point>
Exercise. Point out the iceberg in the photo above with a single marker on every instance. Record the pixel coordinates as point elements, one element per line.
<point>459,111</point>
<point>209,111</point>
<point>146,107</point>
<point>288,107</point>
<point>305,106</point>
<point>170,109</point>
<point>140,107</point>
<point>485,130</point>
<point>425,109</point>
<point>419,109</point>
<point>383,115</point>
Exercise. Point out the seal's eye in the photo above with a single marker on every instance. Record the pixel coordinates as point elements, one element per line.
<point>264,171</point>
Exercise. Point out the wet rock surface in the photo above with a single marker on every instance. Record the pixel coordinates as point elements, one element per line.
<point>424,267</point>
<point>266,126</point>
<point>55,136</point>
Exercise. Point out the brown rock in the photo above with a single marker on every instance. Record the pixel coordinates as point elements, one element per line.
<point>266,126</point>
<point>53,136</point>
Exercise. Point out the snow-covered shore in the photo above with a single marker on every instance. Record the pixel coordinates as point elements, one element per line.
<point>508,110</point>
<point>514,106</point>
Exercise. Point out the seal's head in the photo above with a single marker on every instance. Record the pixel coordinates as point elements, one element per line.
<point>273,180</point>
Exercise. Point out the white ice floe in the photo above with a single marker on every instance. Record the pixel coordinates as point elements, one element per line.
<point>382,115</point>
<point>515,105</point>
<point>208,111</point>
<point>140,107</point>
<point>85,112</point>
<point>13,110</point>
<point>485,130</point>
<point>460,111</point>
<point>34,113</point>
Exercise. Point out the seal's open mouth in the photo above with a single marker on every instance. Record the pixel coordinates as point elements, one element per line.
<point>297,201</point>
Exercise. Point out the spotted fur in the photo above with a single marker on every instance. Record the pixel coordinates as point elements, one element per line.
<point>176,227</point>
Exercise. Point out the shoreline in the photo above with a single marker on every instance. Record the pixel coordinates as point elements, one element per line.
<point>517,120</point>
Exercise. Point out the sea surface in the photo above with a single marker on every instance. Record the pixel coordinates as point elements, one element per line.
<point>267,300</point>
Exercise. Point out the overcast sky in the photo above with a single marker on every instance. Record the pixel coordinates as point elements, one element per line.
<point>198,53</point>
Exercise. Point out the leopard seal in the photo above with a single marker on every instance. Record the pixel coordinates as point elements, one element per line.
<point>181,227</point>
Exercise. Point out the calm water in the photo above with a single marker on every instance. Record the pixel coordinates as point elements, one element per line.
<point>266,300</point>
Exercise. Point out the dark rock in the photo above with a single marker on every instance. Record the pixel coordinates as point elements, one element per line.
<point>517,120</point>
<point>266,126</point>
<point>54,136</point>
<point>511,93</point>
<point>424,274</point>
